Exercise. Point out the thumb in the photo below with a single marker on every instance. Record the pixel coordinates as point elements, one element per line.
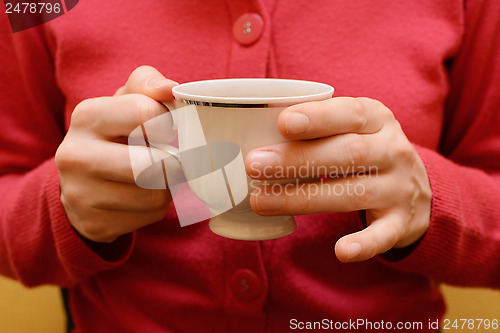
<point>380,236</point>
<point>147,80</point>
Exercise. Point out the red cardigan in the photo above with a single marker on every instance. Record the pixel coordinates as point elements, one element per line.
<point>435,64</point>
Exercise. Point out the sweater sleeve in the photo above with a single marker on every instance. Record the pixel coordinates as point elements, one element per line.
<point>462,244</point>
<point>37,243</point>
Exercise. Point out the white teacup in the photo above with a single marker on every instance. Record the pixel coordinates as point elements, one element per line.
<point>218,122</point>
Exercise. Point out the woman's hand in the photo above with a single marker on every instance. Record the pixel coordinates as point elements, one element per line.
<point>370,164</point>
<point>98,190</point>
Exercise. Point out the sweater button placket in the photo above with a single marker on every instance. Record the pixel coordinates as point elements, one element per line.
<point>248,28</point>
<point>246,285</point>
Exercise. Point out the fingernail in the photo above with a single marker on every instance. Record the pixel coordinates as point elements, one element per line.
<point>354,250</point>
<point>264,158</point>
<point>296,123</point>
<point>158,83</point>
<point>268,202</point>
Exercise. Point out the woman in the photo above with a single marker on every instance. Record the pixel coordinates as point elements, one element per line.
<point>429,75</point>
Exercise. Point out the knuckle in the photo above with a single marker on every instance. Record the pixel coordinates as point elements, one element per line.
<point>356,149</point>
<point>361,199</point>
<point>402,152</point>
<point>146,108</point>
<point>157,199</point>
<point>84,112</point>
<point>97,231</point>
<point>74,197</point>
<point>359,114</point>
<point>382,110</point>
<point>385,112</point>
<point>89,114</point>
<point>69,156</point>
<point>63,157</point>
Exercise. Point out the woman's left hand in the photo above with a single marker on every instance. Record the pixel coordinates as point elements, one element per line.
<point>370,164</point>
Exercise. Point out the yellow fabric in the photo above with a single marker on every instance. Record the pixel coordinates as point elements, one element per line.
<point>40,310</point>
<point>472,303</point>
<point>23,310</point>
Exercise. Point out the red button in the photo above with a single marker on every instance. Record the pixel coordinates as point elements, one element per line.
<point>246,285</point>
<point>248,28</point>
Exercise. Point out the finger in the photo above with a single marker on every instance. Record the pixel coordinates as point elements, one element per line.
<point>109,195</point>
<point>111,224</point>
<point>121,163</point>
<point>331,195</point>
<point>112,117</point>
<point>334,116</point>
<point>147,80</point>
<point>377,238</point>
<point>109,160</point>
<point>336,155</point>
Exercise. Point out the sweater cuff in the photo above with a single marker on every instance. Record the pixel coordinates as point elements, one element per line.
<point>428,255</point>
<point>81,257</point>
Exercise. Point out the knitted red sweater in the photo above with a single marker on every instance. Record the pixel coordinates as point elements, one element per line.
<point>435,64</point>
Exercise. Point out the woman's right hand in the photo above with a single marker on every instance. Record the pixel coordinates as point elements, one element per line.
<point>98,191</point>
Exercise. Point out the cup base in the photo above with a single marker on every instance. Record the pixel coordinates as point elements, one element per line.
<point>251,227</point>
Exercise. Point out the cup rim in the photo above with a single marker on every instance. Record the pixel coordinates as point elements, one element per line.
<point>181,93</point>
